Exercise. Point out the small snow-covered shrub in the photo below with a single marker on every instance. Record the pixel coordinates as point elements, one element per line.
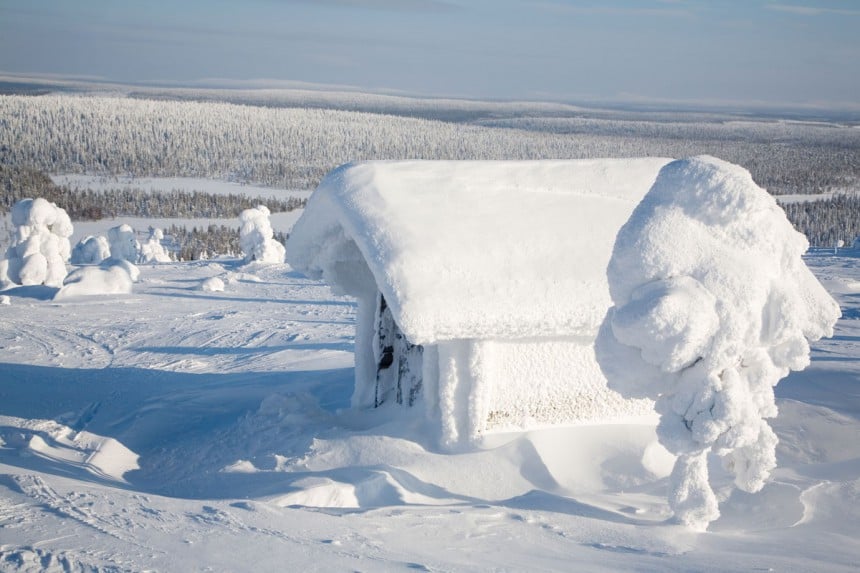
<point>91,250</point>
<point>713,305</point>
<point>152,251</point>
<point>256,234</point>
<point>212,284</point>
<point>123,244</point>
<point>40,247</point>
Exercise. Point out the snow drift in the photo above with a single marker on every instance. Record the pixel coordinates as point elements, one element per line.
<point>40,247</point>
<point>713,305</point>
<point>95,280</point>
<point>256,237</point>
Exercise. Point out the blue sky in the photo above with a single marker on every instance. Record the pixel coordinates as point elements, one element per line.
<point>778,52</point>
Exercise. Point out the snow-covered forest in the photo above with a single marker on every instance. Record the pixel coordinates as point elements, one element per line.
<point>268,137</point>
<point>293,147</point>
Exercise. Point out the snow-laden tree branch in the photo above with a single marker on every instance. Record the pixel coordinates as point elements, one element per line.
<point>713,305</point>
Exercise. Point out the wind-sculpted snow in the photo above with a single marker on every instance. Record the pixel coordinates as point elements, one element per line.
<point>256,237</point>
<point>713,305</point>
<point>40,246</point>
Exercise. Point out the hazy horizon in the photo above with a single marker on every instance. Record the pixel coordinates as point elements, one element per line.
<point>764,53</point>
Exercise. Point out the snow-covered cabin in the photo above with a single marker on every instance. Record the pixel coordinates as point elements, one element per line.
<point>481,285</point>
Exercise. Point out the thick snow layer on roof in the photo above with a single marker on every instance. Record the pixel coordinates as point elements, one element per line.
<point>475,249</point>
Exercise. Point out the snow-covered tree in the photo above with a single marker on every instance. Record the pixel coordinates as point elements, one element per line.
<point>256,235</point>
<point>713,305</point>
<point>91,250</point>
<point>40,247</point>
<point>123,244</point>
<point>152,251</point>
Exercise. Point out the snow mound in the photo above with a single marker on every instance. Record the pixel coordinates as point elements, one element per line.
<point>713,305</point>
<point>41,245</point>
<point>255,237</point>
<point>123,244</point>
<point>212,284</point>
<point>91,250</point>
<point>152,251</point>
<point>130,268</point>
<point>5,300</point>
<point>92,281</point>
<point>102,456</point>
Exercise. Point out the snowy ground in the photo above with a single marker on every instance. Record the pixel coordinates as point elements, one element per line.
<point>176,429</point>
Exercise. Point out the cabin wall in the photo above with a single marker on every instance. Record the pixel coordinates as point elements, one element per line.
<point>485,386</point>
<point>471,387</point>
<point>548,382</point>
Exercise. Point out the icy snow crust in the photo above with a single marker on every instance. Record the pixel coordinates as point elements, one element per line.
<point>475,249</point>
<point>713,305</point>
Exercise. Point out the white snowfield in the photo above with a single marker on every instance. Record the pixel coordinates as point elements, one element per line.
<point>497,268</point>
<point>175,429</point>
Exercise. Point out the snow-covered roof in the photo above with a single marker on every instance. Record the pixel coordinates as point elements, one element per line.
<point>474,249</point>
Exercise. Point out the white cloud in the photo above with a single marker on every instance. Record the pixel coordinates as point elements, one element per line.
<point>811,10</point>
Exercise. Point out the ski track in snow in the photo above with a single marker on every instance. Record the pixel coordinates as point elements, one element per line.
<point>175,429</point>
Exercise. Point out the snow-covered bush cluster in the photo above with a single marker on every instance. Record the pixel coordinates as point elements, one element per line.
<point>40,247</point>
<point>256,237</point>
<point>713,305</point>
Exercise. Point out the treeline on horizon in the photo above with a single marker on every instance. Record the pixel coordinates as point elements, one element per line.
<point>824,221</point>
